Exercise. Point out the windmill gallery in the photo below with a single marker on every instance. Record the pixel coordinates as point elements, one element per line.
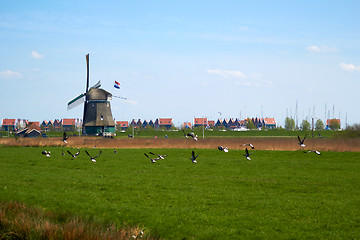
<point>97,116</point>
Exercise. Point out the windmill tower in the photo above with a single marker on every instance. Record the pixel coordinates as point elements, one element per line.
<point>97,117</point>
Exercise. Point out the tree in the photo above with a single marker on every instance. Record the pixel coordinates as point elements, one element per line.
<point>305,125</point>
<point>250,125</point>
<point>289,124</point>
<point>319,125</point>
<point>334,124</point>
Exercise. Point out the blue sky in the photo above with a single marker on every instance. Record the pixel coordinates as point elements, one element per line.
<point>182,59</point>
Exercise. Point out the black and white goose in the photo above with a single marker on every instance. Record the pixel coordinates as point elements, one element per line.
<point>314,151</point>
<point>193,157</point>
<point>65,137</point>
<point>115,150</point>
<point>160,156</point>
<point>301,142</point>
<point>153,160</point>
<point>247,154</point>
<point>224,149</point>
<point>93,158</point>
<point>74,155</point>
<point>187,135</point>
<point>46,153</point>
<point>248,144</point>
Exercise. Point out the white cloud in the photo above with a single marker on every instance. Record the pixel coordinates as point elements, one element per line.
<point>132,102</point>
<point>321,49</point>
<point>10,74</point>
<point>36,55</point>
<point>227,73</point>
<point>348,67</point>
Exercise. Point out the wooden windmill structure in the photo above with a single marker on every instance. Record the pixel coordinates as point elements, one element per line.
<point>97,116</point>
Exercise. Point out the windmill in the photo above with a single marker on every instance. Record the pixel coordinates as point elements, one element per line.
<point>97,117</point>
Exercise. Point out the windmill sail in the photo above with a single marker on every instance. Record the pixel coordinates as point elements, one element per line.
<point>76,101</point>
<point>97,85</point>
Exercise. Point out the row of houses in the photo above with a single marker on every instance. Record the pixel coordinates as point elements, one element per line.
<point>72,124</point>
<point>66,124</point>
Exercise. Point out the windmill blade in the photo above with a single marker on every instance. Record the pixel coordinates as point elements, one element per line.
<point>76,101</point>
<point>97,85</point>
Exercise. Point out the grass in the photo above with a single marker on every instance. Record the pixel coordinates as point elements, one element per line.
<point>279,194</point>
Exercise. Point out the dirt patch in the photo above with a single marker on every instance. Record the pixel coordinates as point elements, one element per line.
<point>260,143</point>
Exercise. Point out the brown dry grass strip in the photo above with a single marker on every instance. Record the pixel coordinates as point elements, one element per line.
<point>260,143</point>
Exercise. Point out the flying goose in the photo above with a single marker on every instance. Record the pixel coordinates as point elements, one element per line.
<point>248,144</point>
<point>65,137</point>
<point>221,148</point>
<point>160,156</point>
<point>314,151</point>
<point>46,153</point>
<point>193,157</point>
<point>301,142</point>
<point>187,135</point>
<point>247,154</point>
<point>74,155</point>
<point>93,158</point>
<point>153,160</point>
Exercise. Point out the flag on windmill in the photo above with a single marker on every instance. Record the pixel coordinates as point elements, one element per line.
<point>117,85</point>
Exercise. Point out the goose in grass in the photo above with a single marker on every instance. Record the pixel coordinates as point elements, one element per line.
<point>93,158</point>
<point>187,135</point>
<point>193,157</point>
<point>247,154</point>
<point>224,149</point>
<point>160,156</point>
<point>153,160</point>
<point>74,155</point>
<point>248,144</point>
<point>115,150</point>
<point>46,153</point>
<point>301,142</point>
<point>65,137</point>
<point>314,151</point>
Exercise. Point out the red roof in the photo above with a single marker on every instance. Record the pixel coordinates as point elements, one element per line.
<point>165,121</point>
<point>200,121</point>
<point>270,121</point>
<point>122,123</point>
<point>328,121</point>
<point>187,124</point>
<point>8,122</point>
<point>68,121</point>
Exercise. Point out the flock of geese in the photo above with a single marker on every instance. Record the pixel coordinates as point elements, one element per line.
<point>155,157</point>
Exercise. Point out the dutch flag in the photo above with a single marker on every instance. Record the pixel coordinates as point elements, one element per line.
<point>117,85</point>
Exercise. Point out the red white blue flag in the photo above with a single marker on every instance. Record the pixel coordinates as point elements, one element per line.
<point>117,85</point>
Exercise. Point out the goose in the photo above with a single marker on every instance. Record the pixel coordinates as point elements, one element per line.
<point>314,151</point>
<point>160,156</point>
<point>247,154</point>
<point>93,158</point>
<point>187,135</point>
<point>221,148</point>
<point>65,137</point>
<point>74,155</point>
<point>153,160</point>
<point>193,157</point>
<point>46,153</point>
<point>301,142</point>
<point>248,144</point>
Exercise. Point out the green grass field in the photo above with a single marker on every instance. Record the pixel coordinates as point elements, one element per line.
<point>276,195</point>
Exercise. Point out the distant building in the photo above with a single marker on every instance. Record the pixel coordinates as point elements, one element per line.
<point>71,124</point>
<point>269,123</point>
<point>199,122</point>
<point>9,124</point>
<point>166,123</point>
<point>330,122</point>
<point>32,130</point>
<point>186,125</point>
<point>122,125</point>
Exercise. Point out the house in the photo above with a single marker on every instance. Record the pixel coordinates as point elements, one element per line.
<point>122,125</point>
<point>199,122</point>
<point>32,130</point>
<point>47,125</point>
<point>269,123</point>
<point>165,123</point>
<point>186,125</point>
<point>211,123</point>
<point>134,123</point>
<point>330,122</point>
<point>9,124</point>
<point>151,124</point>
<point>57,125</point>
<point>70,124</point>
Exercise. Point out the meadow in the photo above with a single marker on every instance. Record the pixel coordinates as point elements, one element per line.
<point>276,195</point>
